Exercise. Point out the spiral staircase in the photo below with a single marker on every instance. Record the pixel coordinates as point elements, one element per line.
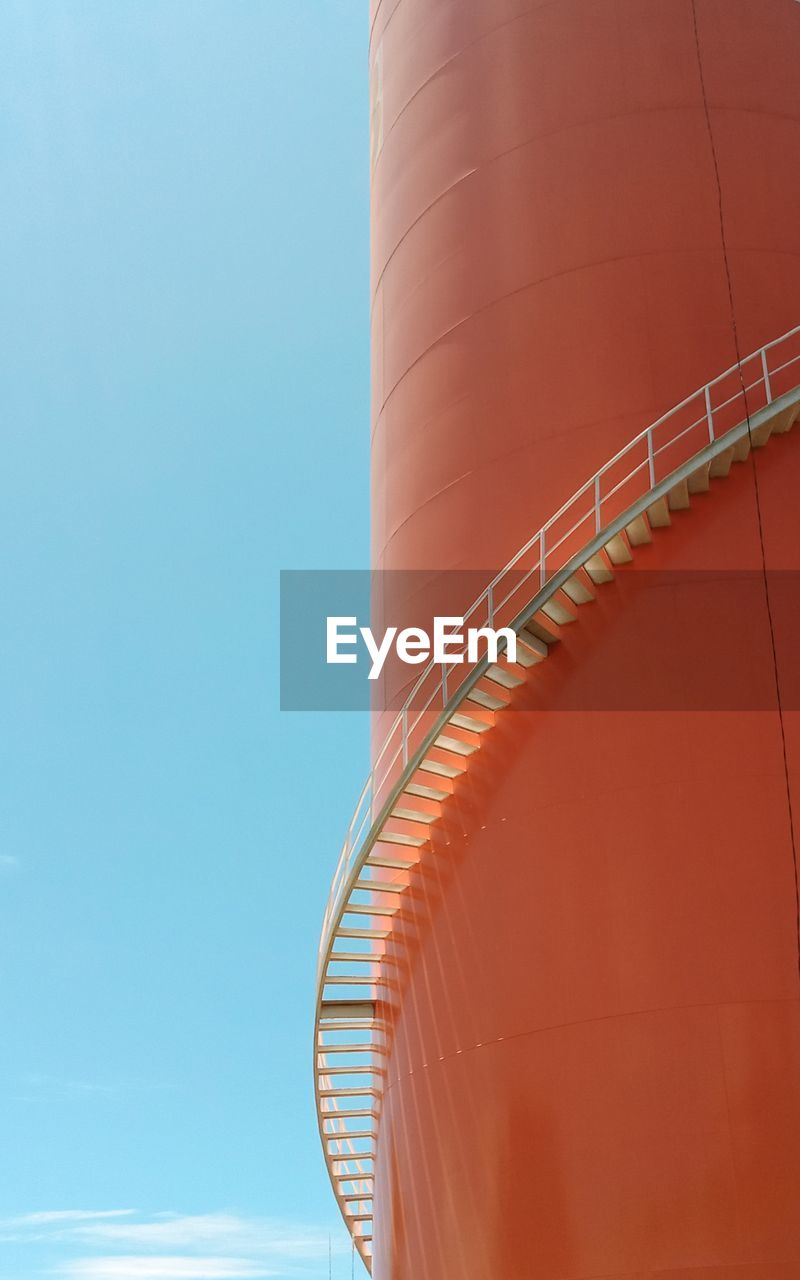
<point>441,727</point>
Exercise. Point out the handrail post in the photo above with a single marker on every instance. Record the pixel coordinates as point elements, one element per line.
<point>490,605</point>
<point>542,569</point>
<point>765,367</point>
<point>597,500</point>
<point>444,685</point>
<point>709,414</point>
<point>651,460</point>
<point>405,735</point>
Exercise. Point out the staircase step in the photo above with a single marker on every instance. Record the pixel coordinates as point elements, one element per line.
<point>721,464</point>
<point>406,833</point>
<point>785,420</point>
<point>349,1010</point>
<point>760,435</point>
<point>350,980</point>
<point>369,935</point>
<point>381,886</point>
<point>599,569</point>
<point>530,648</point>
<point>699,481</point>
<point>397,861</point>
<point>370,909</point>
<point>541,627</point>
<point>578,588</point>
<point>353,1114</point>
<point>489,694</point>
<point>559,610</point>
<point>741,450</point>
<point>507,676</point>
<point>346,1071</point>
<point>678,497</point>
<point>618,550</point>
<point>357,957</point>
<point>347,1091</point>
<point>417,808</point>
<point>471,716</point>
<point>326,1072</point>
<point>658,514</point>
<point>444,762</point>
<point>431,785</point>
<point>638,531</point>
<point>480,698</point>
<point>461,742</point>
<point>349,1048</point>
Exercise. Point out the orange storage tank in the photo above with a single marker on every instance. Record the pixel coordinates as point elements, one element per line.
<point>582,211</point>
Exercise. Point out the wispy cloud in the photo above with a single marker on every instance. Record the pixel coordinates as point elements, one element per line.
<point>53,1224</point>
<point>225,1232</point>
<point>57,1086</point>
<point>42,1088</point>
<point>122,1244</point>
<point>168,1268</point>
<point>57,1216</point>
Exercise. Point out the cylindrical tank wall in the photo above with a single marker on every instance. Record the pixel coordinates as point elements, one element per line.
<point>595,1067</point>
<point>596,1062</point>
<point>547,263</point>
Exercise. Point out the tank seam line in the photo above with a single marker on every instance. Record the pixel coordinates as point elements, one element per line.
<point>496,459</point>
<point>557,275</point>
<point>454,57</point>
<point>585,1022</point>
<point>534,8</point>
<point>549,133</point>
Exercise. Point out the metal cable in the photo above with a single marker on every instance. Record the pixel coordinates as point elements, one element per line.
<point>757,491</point>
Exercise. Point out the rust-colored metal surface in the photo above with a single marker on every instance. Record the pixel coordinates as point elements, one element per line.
<point>595,1065</point>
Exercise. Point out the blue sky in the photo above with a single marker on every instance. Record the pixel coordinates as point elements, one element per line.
<point>184,409</point>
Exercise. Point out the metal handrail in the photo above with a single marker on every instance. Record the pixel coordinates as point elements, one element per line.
<point>714,421</point>
<point>612,510</point>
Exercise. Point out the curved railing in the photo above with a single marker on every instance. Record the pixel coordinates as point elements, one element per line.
<point>697,429</point>
<point>655,453</point>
